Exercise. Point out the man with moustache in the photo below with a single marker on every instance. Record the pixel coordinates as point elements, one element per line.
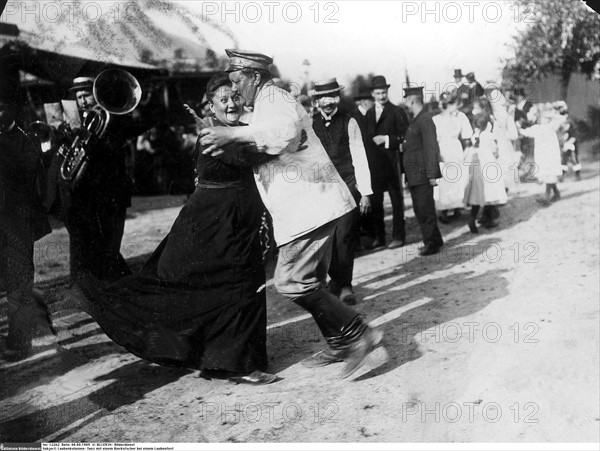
<point>386,127</point>
<point>306,197</point>
<point>421,158</point>
<point>341,137</point>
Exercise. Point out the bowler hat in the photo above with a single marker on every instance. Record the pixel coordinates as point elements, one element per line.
<point>247,59</point>
<point>330,86</point>
<point>418,91</point>
<point>379,82</point>
<point>363,94</point>
<point>458,73</point>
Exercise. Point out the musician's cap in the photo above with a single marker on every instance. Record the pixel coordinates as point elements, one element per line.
<point>418,91</point>
<point>379,82</point>
<point>470,76</point>
<point>82,84</point>
<point>325,87</point>
<point>247,59</point>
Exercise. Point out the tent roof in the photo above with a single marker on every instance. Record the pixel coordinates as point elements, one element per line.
<point>73,61</point>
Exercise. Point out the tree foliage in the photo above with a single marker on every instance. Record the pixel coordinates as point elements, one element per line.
<point>563,37</point>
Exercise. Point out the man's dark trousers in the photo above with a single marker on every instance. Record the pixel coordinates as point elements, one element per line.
<point>424,207</point>
<point>377,221</point>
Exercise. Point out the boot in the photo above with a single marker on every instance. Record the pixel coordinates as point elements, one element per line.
<point>330,314</point>
<point>356,342</point>
<point>323,358</point>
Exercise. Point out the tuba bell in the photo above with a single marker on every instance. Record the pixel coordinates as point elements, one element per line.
<point>116,91</point>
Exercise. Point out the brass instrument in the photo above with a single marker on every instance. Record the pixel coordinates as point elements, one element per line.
<point>116,91</point>
<point>40,130</point>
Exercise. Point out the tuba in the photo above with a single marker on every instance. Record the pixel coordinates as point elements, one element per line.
<point>116,91</point>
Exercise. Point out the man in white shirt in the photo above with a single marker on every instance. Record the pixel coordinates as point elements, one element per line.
<point>305,196</point>
<point>341,137</point>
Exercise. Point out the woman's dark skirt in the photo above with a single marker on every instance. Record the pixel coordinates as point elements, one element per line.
<point>199,302</point>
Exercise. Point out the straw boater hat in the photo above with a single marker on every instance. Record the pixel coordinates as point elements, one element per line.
<point>82,84</point>
<point>247,59</point>
<point>325,87</point>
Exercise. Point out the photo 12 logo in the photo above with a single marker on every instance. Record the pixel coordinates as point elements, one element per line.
<point>453,412</point>
<point>453,12</point>
<point>253,12</point>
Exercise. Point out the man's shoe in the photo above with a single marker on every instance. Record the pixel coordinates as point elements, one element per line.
<point>360,349</point>
<point>555,198</point>
<point>347,296</point>
<point>429,250</point>
<point>378,243</point>
<point>443,218</point>
<point>395,244</point>
<point>472,226</point>
<point>490,224</point>
<point>543,200</point>
<point>254,378</point>
<point>323,358</point>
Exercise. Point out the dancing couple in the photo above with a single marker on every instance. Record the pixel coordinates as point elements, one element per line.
<point>199,302</point>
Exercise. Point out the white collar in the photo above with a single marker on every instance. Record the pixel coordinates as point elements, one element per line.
<point>328,118</point>
<point>362,110</point>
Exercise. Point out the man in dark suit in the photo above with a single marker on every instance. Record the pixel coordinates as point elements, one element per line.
<point>421,158</point>
<point>22,222</point>
<point>386,127</point>
<point>95,209</point>
<point>364,102</point>
<point>475,88</point>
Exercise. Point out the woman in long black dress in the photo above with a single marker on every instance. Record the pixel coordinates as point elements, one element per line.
<point>199,302</point>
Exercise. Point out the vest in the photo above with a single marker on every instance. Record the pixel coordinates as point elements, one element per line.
<point>336,142</point>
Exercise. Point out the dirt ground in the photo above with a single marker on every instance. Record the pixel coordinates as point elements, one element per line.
<point>496,339</point>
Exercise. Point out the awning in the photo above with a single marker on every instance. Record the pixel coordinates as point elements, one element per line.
<point>62,67</point>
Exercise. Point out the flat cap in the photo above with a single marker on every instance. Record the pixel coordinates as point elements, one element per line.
<point>242,59</point>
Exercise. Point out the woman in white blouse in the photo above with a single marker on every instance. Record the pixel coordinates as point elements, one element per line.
<point>452,128</point>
